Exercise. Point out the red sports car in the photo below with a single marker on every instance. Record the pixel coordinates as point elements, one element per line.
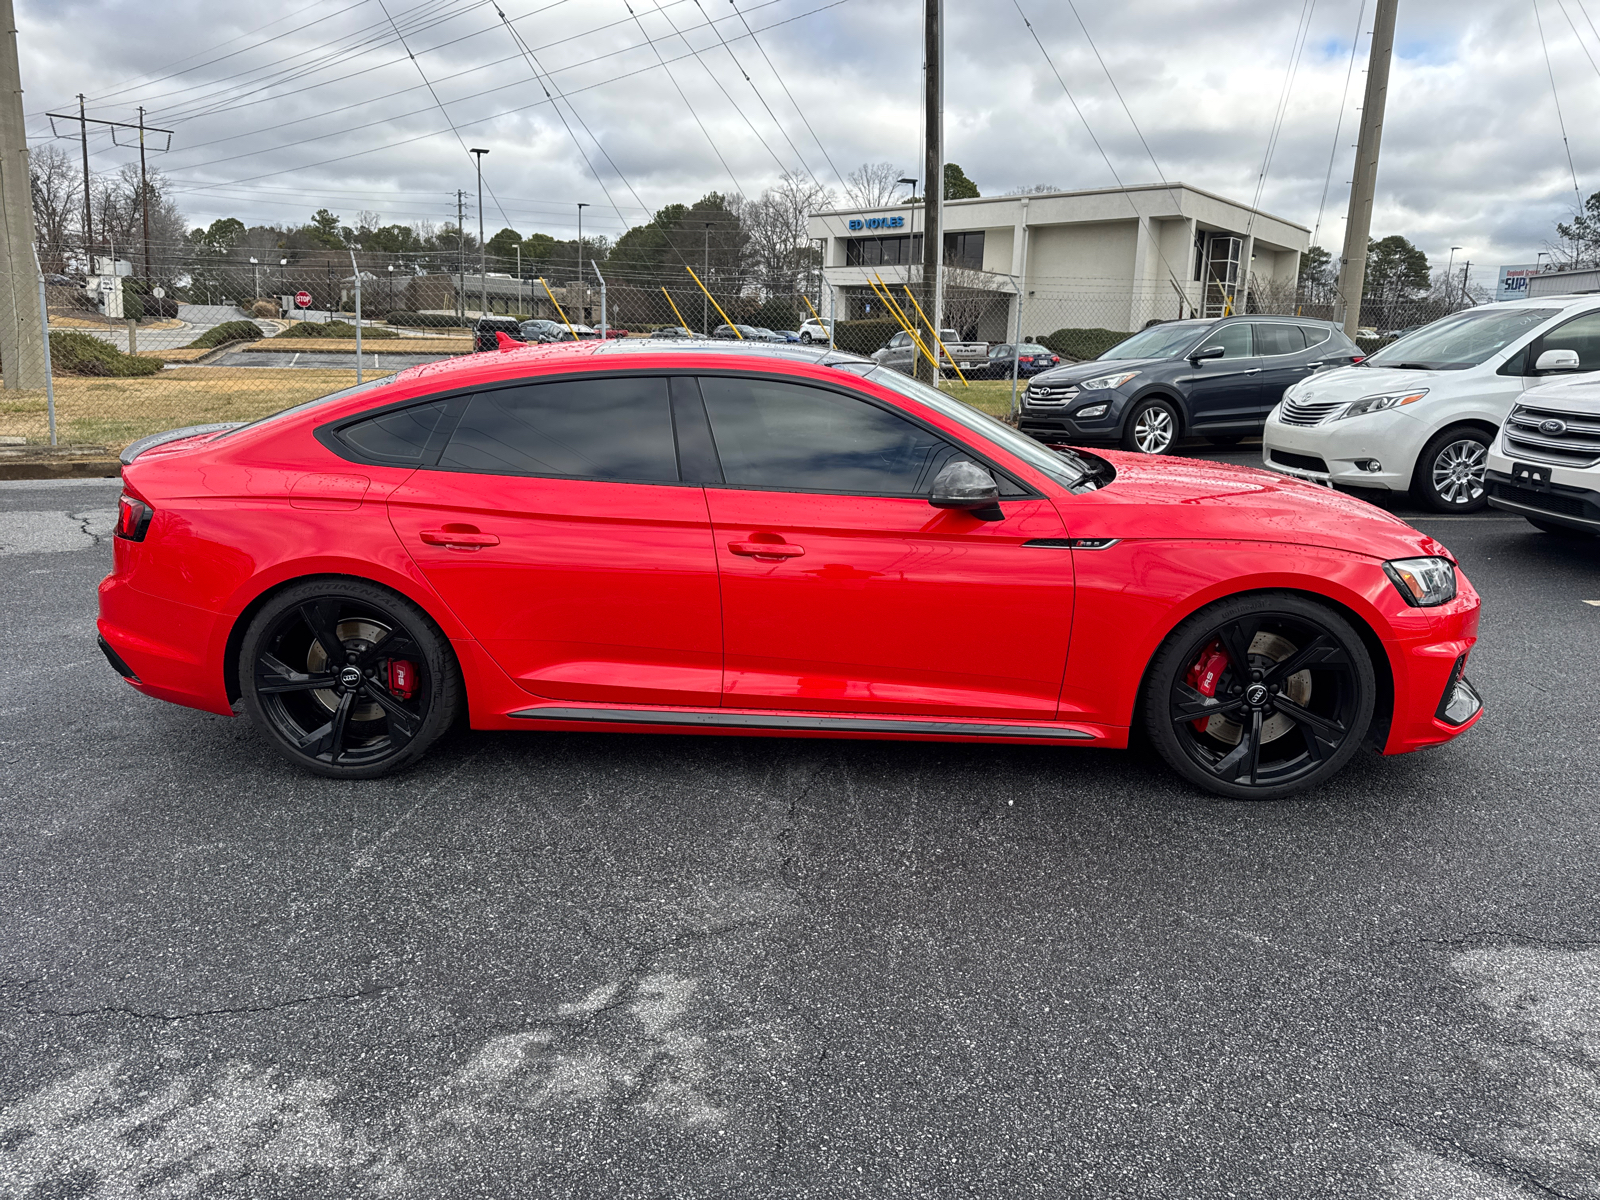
<point>773,541</point>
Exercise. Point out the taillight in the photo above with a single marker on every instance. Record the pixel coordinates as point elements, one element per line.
<point>133,518</point>
<point>1027,358</point>
<point>1358,358</point>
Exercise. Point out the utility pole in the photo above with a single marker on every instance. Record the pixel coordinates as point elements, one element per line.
<point>705,311</point>
<point>483,277</point>
<point>144,196</point>
<point>461,258</point>
<point>933,172</point>
<point>577,273</point>
<point>88,218</point>
<point>1358,225</point>
<point>22,348</point>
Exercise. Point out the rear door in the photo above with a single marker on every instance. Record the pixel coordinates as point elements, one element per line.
<point>556,526</point>
<point>844,590</point>
<point>1222,392</point>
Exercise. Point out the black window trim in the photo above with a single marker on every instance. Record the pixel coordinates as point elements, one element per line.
<point>329,433</point>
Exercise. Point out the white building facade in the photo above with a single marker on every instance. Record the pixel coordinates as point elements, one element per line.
<point>1110,258</point>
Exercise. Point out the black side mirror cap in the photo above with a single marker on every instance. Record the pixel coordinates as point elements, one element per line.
<point>967,486</point>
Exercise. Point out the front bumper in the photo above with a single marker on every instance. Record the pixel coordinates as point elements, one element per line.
<point>1329,454</point>
<point>1060,423</point>
<point>1564,496</point>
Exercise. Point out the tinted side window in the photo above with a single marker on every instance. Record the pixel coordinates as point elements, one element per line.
<point>1234,340</point>
<point>1315,334</point>
<point>618,429</point>
<point>784,435</point>
<point>1279,339</point>
<point>1581,334</point>
<point>398,437</point>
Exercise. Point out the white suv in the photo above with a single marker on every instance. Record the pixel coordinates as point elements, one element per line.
<point>1419,415</point>
<point>815,329</point>
<point>1545,464</point>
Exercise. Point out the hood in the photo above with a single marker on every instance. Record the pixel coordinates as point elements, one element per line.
<point>1094,366</point>
<point>1578,394</point>
<point>1157,497</point>
<point>1352,383</point>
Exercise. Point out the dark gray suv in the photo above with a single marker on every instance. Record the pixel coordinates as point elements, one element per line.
<point>1217,378</point>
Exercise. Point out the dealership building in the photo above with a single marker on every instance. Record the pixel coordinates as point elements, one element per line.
<point>1109,258</point>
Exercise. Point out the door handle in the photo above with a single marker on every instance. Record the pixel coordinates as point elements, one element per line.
<point>1253,371</point>
<point>459,539</point>
<point>774,550</point>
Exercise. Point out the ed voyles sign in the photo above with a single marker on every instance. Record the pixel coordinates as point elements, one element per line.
<point>877,222</point>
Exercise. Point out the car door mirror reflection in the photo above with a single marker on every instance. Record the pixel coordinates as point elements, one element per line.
<point>1557,360</point>
<point>1207,352</point>
<point>967,486</point>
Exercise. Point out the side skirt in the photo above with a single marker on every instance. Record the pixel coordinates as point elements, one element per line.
<point>801,722</point>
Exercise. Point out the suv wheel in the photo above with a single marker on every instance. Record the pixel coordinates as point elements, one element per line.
<point>805,336</point>
<point>1151,427</point>
<point>1449,474</point>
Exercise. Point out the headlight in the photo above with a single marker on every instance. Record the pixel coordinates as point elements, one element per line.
<point>1094,410</point>
<point>1104,382</point>
<point>1372,404</point>
<point>1423,582</point>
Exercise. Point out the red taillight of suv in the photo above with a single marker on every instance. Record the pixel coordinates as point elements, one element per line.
<point>133,518</point>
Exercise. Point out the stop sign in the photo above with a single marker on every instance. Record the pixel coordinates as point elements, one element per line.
<point>303,299</point>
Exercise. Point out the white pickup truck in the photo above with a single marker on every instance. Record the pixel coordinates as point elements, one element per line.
<point>900,353</point>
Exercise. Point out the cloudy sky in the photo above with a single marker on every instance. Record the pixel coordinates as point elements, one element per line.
<point>279,109</point>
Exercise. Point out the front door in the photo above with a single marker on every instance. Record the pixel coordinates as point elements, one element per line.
<point>556,528</point>
<point>1222,392</point>
<point>844,590</point>
<point>1280,348</point>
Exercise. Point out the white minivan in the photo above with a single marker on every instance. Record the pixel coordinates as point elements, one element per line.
<point>1420,414</point>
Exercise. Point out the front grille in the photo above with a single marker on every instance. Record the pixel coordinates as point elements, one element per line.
<point>1575,444</point>
<point>1544,501</point>
<point>1304,412</point>
<point>1300,462</point>
<point>1048,396</point>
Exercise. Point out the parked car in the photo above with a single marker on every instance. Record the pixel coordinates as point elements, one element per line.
<point>1419,414</point>
<point>1218,378</point>
<point>540,329</point>
<point>1031,358</point>
<point>1545,463</point>
<point>815,329</point>
<point>660,537</point>
<point>485,328</point>
<point>747,333</point>
<point>676,331</point>
<point>613,332</point>
<point>901,353</point>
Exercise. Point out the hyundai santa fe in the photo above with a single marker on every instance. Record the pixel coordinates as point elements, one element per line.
<point>715,538</point>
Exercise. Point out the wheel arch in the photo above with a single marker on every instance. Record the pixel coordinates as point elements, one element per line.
<point>1382,668</point>
<point>1158,391</point>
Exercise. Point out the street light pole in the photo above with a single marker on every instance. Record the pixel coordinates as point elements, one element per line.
<point>911,237</point>
<point>1447,274</point>
<point>483,278</point>
<point>255,272</point>
<point>577,273</point>
<point>705,312</point>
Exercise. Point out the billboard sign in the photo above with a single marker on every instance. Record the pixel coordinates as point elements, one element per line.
<point>1514,282</point>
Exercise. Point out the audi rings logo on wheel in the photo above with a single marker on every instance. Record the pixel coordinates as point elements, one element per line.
<point>1552,427</point>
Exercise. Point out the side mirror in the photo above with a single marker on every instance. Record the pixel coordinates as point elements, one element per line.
<point>1557,360</point>
<point>1207,352</point>
<point>966,485</point>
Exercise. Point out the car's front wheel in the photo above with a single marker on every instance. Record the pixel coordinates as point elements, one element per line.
<point>347,679</point>
<point>1151,428</point>
<point>1260,697</point>
<point>1449,475</point>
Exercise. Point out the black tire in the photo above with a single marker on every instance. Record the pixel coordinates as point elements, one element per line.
<point>1315,703</point>
<point>1450,469</point>
<point>1151,427</point>
<point>1224,439</point>
<point>806,337</point>
<point>360,726</point>
<point>1558,530</point>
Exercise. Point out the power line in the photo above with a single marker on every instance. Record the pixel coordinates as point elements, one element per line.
<point>1560,121</point>
<point>802,112</point>
<point>1302,32</point>
<point>1344,99</point>
<point>1578,37</point>
<point>1090,38</point>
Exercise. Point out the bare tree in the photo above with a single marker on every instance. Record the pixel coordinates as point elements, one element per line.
<point>969,296</point>
<point>871,185</point>
<point>779,248</point>
<point>57,202</point>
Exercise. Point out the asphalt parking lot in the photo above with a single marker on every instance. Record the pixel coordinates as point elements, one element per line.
<point>597,965</point>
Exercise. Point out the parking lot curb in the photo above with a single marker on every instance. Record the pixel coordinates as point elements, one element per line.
<point>82,468</point>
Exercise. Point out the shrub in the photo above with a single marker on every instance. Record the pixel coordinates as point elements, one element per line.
<point>777,313</point>
<point>333,329</point>
<point>1083,344</point>
<point>418,320</point>
<point>264,308</point>
<point>75,353</point>
<point>228,331</point>
<point>132,305</point>
<point>863,337</point>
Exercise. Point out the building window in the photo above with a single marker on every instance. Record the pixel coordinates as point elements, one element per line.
<point>883,251</point>
<point>1199,254</point>
<point>964,250</point>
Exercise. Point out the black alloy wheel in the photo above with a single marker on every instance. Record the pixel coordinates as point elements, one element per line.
<point>1450,471</point>
<point>1260,697</point>
<point>1151,427</point>
<point>347,679</point>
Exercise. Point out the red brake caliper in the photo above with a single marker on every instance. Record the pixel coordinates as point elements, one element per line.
<point>402,678</point>
<point>1205,674</point>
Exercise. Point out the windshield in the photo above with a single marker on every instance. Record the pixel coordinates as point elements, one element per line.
<point>328,399</point>
<point>1065,468</point>
<point>1461,341</point>
<point>1159,341</point>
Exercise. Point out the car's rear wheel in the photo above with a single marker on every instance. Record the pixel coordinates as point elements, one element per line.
<point>1449,474</point>
<point>1260,697</point>
<point>805,336</point>
<point>1151,428</point>
<point>1560,530</point>
<point>347,679</point>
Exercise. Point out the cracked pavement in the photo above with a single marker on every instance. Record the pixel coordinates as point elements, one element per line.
<point>617,966</point>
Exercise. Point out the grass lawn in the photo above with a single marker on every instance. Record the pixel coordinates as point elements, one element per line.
<point>992,396</point>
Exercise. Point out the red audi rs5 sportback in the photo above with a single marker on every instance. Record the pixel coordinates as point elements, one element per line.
<point>695,537</point>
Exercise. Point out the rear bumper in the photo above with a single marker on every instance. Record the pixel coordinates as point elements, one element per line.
<point>170,650</point>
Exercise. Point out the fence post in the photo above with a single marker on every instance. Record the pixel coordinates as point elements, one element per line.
<point>604,329</point>
<point>133,336</point>
<point>356,271</point>
<point>44,325</point>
